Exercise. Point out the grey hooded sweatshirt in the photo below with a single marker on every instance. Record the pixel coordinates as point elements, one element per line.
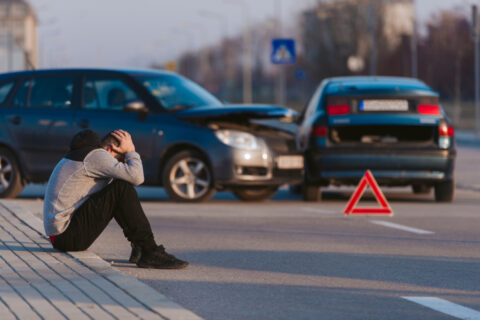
<point>73,182</point>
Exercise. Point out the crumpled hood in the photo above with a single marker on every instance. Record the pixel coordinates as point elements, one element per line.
<point>237,112</point>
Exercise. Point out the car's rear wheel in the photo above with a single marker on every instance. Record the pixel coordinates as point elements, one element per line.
<point>421,188</point>
<point>445,191</point>
<point>312,192</point>
<point>255,193</point>
<point>187,177</point>
<point>10,177</point>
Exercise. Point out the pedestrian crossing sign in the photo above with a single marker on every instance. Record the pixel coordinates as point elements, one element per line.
<point>283,51</point>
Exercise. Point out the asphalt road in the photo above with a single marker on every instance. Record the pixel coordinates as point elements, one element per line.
<point>288,259</point>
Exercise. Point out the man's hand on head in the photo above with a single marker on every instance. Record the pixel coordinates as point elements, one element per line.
<point>125,142</point>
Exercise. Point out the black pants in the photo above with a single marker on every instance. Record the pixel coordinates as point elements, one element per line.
<point>118,200</point>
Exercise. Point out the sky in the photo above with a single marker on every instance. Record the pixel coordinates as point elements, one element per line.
<point>126,33</point>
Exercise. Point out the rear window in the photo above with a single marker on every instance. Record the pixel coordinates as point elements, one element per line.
<point>5,89</point>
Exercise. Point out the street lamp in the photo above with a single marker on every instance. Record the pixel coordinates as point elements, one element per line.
<point>247,51</point>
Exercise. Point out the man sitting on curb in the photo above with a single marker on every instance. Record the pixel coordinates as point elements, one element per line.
<point>94,183</point>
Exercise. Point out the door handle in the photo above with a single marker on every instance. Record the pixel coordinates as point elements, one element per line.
<point>84,123</point>
<point>16,120</point>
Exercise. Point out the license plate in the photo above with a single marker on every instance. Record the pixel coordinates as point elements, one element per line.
<point>290,162</point>
<point>383,105</point>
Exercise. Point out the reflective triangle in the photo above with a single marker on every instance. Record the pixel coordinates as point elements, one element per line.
<point>368,179</point>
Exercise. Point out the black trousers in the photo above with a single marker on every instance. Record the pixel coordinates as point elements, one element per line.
<point>119,200</point>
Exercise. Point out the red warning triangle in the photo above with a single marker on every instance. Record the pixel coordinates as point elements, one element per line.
<point>352,203</point>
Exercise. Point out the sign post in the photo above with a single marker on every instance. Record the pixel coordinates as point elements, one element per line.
<point>283,52</point>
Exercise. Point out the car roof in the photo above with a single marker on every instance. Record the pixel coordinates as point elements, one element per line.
<point>132,72</point>
<point>358,85</point>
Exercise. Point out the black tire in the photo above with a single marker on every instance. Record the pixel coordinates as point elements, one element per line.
<point>445,191</point>
<point>312,192</point>
<point>10,177</point>
<point>421,188</point>
<point>296,189</point>
<point>255,193</point>
<point>193,167</point>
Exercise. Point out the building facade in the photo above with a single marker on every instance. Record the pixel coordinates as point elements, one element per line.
<point>18,36</point>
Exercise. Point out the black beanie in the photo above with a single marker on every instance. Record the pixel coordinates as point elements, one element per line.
<point>85,139</point>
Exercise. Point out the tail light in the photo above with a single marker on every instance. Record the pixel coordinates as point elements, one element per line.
<point>320,131</point>
<point>445,130</point>
<point>445,134</point>
<point>429,109</point>
<point>338,109</point>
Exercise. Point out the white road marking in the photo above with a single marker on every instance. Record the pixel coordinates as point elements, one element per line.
<point>447,307</point>
<point>401,227</point>
<point>315,210</point>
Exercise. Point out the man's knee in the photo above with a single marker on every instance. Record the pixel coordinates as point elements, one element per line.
<point>123,186</point>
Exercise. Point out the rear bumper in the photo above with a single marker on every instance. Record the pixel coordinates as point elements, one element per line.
<point>390,167</point>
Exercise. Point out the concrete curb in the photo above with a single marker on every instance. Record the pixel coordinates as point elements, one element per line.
<point>39,282</point>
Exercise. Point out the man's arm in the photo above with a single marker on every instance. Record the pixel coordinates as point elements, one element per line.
<point>103,164</point>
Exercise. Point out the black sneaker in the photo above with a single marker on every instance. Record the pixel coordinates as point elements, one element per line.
<point>136,254</point>
<point>160,259</point>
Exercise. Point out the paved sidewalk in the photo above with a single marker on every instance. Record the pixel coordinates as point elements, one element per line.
<point>39,282</point>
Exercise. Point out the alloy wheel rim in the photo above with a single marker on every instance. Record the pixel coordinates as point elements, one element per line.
<point>6,173</point>
<point>190,178</point>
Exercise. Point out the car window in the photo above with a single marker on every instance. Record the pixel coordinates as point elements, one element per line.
<point>21,96</point>
<point>176,92</point>
<point>5,90</point>
<point>107,94</point>
<point>313,103</point>
<point>51,92</point>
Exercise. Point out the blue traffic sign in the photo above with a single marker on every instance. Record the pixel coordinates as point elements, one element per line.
<point>283,51</point>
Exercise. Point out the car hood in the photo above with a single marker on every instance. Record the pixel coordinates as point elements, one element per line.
<point>237,112</point>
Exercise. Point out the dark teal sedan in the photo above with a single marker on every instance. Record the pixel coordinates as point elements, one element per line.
<point>392,126</point>
<point>190,142</point>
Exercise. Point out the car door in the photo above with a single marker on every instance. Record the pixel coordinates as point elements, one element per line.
<point>104,98</point>
<point>39,119</point>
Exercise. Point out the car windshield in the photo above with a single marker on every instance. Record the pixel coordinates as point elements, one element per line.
<point>176,93</point>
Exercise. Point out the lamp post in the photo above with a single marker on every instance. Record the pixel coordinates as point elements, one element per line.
<point>372,15</point>
<point>281,80</point>
<point>247,52</point>
<point>476,41</point>
<point>225,50</point>
<point>413,44</point>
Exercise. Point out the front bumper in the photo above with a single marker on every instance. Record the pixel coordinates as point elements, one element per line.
<point>257,168</point>
<point>390,167</point>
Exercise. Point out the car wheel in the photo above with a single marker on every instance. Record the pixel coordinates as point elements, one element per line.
<point>10,178</point>
<point>421,188</point>
<point>312,192</point>
<point>255,193</point>
<point>187,177</point>
<point>445,191</point>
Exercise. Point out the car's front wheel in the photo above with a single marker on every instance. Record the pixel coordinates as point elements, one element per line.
<point>255,193</point>
<point>10,177</point>
<point>187,177</point>
<point>445,191</point>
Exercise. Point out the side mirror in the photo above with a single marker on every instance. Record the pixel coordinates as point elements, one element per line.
<point>136,106</point>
